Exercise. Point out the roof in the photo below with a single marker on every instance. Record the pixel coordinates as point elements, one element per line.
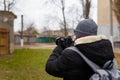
<point>8,14</point>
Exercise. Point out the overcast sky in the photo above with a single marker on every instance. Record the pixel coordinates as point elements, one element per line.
<point>36,11</point>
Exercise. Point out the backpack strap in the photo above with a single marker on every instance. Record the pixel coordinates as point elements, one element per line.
<point>94,66</point>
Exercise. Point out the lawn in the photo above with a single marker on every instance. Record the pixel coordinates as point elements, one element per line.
<point>25,64</point>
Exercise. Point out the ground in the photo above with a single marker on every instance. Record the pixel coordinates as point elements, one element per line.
<point>37,46</point>
<point>45,46</point>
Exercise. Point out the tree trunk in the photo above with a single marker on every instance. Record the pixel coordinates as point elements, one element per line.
<point>5,5</point>
<point>116,9</point>
<point>64,18</point>
<point>86,8</point>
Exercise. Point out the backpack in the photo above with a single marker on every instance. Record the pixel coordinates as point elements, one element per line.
<point>108,72</point>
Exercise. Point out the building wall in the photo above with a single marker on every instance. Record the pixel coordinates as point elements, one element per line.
<point>104,22</point>
<point>105,30</point>
<point>104,13</point>
<point>6,21</point>
<point>26,39</point>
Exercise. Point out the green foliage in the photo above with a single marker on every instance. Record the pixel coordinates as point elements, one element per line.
<point>25,64</point>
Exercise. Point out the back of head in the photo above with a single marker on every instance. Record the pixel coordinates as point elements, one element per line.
<point>85,28</point>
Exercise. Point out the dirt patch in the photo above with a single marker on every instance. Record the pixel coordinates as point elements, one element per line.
<point>37,46</point>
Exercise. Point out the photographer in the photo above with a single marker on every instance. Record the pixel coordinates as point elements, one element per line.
<point>68,64</point>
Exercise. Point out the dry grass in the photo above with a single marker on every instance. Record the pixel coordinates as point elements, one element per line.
<point>117,55</point>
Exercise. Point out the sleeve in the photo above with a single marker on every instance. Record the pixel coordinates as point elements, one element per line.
<point>57,63</point>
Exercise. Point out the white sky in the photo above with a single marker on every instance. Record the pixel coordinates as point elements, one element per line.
<point>36,11</point>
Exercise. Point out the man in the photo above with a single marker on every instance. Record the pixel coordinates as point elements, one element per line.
<point>68,64</point>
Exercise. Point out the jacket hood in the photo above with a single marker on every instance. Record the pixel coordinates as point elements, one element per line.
<point>89,39</point>
<point>95,48</point>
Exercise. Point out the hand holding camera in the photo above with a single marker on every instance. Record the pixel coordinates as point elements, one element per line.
<point>64,42</point>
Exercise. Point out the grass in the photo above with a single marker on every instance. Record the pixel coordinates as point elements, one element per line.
<point>28,64</point>
<point>25,64</point>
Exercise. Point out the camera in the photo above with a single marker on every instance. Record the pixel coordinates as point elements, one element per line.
<point>64,42</point>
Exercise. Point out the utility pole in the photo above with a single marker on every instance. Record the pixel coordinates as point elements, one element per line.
<point>111,19</point>
<point>111,23</point>
<point>22,41</point>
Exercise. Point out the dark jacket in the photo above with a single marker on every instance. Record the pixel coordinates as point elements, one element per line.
<point>70,66</point>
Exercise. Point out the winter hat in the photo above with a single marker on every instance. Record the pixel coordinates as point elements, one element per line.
<point>85,28</point>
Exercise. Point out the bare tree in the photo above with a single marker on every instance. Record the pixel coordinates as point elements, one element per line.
<point>61,5</point>
<point>64,18</point>
<point>116,9</point>
<point>30,29</point>
<point>74,11</point>
<point>46,32</point>
<point>86,4</point>
<point>4,5</point>
<point>7,4</point>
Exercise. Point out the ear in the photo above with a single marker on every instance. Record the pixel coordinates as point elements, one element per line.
<point>74,37</point>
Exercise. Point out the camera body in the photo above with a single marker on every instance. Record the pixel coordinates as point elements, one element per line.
<point>64,42</point>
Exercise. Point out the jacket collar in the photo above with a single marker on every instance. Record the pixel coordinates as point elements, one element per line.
<point>89,39</point>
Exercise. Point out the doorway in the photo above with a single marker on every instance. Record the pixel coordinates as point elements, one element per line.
<point>4,41</point>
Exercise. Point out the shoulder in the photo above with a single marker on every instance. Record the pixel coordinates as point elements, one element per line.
<point>71,55</point>
<point>68,49</point>
<point>69,52</point>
